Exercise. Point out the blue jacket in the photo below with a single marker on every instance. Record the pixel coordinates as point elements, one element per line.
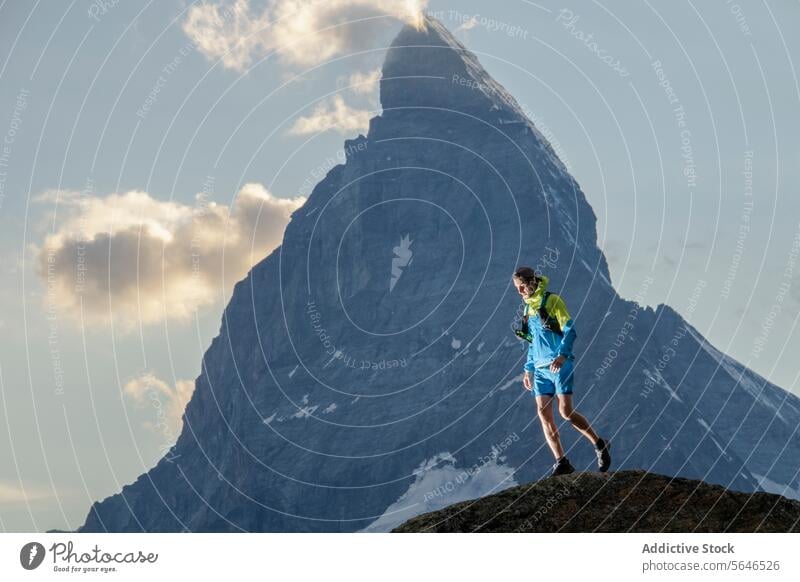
<point>545,344</point>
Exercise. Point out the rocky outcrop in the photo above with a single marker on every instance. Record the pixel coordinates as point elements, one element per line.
<point>625,501</point>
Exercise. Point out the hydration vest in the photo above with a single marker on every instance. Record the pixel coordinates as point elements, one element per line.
<point>549,322</point>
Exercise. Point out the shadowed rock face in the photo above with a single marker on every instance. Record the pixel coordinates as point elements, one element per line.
<point>626,501</point>
<point>366,372</point>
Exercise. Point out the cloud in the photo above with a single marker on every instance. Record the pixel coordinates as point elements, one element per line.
<point>334,114</point>
<point>169,402</point>
<point>12,493</point>
<point>469,24</point>
<point>135,259</point>
<point>302,32</point>
<point>230,33</point>
<point>365,83</point>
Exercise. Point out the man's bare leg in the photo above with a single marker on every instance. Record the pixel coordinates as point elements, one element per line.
<point>544,405</point>
<point>576,418</point>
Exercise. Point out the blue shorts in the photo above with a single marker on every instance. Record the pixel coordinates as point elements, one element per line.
<point>547,383</point>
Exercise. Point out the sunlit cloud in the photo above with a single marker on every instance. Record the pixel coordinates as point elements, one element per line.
<point>365,83</point>
<point>13,493</point>
<point>300,32</point>
<point>333,115</point>
<point>336,114</point>
<point>131,258</point>
<point>168,402</point>
<point>469,24</point>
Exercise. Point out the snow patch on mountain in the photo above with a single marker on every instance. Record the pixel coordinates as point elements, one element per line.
<point>772,487</point>
<point>436,487</point>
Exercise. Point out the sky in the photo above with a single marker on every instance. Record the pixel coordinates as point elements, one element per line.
<point>151,153</point>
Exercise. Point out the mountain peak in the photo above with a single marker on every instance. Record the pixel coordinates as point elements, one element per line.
<point>427,67</point>
<point>428,32</point>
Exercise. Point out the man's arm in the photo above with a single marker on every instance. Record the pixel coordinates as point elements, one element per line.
<point>558,309</point>
<point>529,367</point>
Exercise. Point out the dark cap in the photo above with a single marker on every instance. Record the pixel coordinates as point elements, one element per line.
<point>526,274</point>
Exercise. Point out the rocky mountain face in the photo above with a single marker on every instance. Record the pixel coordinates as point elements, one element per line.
<point>625,501</point>
<point>366,372</point>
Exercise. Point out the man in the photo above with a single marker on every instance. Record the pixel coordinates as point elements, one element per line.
<point>550,330</point>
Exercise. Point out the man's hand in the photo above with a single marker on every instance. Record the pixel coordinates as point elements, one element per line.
<point>526,381</point>
<point>555,365</point>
